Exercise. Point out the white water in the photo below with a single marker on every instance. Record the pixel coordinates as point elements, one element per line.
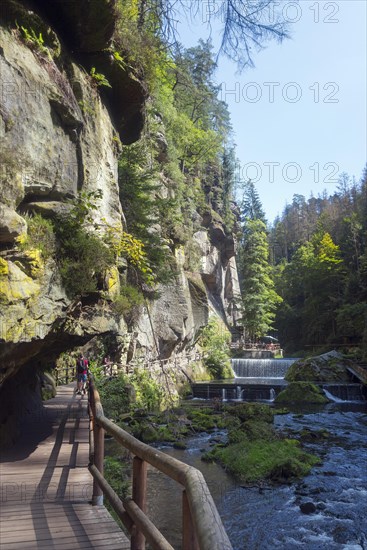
<point>332,397</point>
<point>261,368</point>
<point>352,392</point>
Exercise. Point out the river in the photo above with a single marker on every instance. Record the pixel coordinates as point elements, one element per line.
<point>270,517</point>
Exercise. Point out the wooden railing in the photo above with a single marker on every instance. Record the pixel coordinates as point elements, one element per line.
<point>202,527</point>
<point>65,375</point>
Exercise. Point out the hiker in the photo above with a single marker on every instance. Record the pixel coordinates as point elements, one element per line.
<point>81,374</point>
<point>107,365</point>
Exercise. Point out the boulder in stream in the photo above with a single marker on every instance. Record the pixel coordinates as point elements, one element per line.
<point>328,367</point>
<point>301,392</point>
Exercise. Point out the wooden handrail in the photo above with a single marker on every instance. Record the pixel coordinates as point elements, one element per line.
<point>202,525</point>
<point>64,375</point>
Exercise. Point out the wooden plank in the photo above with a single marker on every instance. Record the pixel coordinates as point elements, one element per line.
<point>45,492</point>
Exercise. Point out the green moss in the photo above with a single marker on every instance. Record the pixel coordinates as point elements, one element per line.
<point>301,392</point>
<point>277,461</point>
<point>318,369</point>
<point>180,445</point>
<point>4,268</point>
<point>250,411</point>
<point>46,394</point>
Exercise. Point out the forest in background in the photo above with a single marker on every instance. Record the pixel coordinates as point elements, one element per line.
<point>319,257</point>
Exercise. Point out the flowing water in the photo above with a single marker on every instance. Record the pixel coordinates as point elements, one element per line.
<point>264,518</point>
<point>267,518</point>
<point>261,368</point>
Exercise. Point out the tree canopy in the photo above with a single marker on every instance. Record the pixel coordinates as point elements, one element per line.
<point>320,256</point>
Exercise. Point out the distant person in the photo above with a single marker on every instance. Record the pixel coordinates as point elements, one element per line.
<point>81,374</point>
<point>107,365</point>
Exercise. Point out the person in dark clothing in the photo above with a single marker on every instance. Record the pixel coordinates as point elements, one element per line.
<point>81,374</point>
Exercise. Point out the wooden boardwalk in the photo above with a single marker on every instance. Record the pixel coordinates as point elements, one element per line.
<point>46,487</point>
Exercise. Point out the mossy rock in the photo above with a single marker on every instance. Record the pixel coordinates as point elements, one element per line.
<point>301,392</point>
<point>328,367</point>
<point>149,434</point>
<point>48,386</point>
<point>251,411</point>
<point>180,445</point>
<point>278,461</point>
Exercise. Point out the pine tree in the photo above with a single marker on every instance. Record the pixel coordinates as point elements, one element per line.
<point>259,299</point>
<point>251,207</point>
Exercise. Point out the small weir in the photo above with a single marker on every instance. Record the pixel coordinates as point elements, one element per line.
<point>261,368</point>
<point>263,379</point>
<point>255,380</point>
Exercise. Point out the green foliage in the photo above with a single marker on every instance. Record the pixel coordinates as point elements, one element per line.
<point>34,40</point>
<point>128,303</point>
<point>40,236</point>
<point>147,213</point>
<point>116,474</point>
<point>84,258</point>
<point>259,299</point>
<point>149,394</point>
<point>99,79</point>
<point>251,207</point>
<point>114,396</point>
<point>276,461</point>
<point>320,251</point>
<point>215,339</point>
<point>126,245</point>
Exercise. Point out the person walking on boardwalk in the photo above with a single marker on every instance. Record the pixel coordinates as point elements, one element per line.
<point>81,374</point>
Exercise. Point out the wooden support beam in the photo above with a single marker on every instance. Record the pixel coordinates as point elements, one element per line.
<point>140,498</point>
<point>189,539</point>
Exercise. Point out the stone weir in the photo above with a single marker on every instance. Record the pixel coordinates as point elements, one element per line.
<point>263,379</point>
<point>255,380</point>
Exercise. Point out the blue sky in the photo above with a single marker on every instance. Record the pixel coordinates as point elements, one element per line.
<point>299,117</point>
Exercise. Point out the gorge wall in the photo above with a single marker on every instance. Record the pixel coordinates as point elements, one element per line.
<point>60,136</point>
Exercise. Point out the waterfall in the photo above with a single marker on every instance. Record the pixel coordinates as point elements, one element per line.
<point>344,393</point>
<point>261,368</point>
<point>272,394</point>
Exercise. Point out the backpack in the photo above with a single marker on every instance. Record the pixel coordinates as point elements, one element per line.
<point>81,366</point>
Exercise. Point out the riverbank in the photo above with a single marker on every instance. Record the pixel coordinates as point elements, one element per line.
<point>267,516</point>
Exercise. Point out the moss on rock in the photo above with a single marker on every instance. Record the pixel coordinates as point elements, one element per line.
<point>328,367</point>
<point>276,461</point>
<point>301,392</point>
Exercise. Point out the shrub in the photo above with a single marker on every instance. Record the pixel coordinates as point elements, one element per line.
<point>215,339</point>
<point>149,394</point>
<point>128,303</point>
<point>83,258</point>
<point>114,395</point>
<point>40,236</point>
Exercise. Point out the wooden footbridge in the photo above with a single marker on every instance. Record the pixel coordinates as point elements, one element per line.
<point>52,486</point>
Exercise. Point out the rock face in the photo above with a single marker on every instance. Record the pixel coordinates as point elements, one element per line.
<point>59,138</point>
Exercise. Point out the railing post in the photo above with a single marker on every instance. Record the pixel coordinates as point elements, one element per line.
<point>189,540</point>
<point>98,434</point>
<point>139,497</point>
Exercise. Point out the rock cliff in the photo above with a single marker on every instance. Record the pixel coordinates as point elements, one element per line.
<point>60,136</point>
